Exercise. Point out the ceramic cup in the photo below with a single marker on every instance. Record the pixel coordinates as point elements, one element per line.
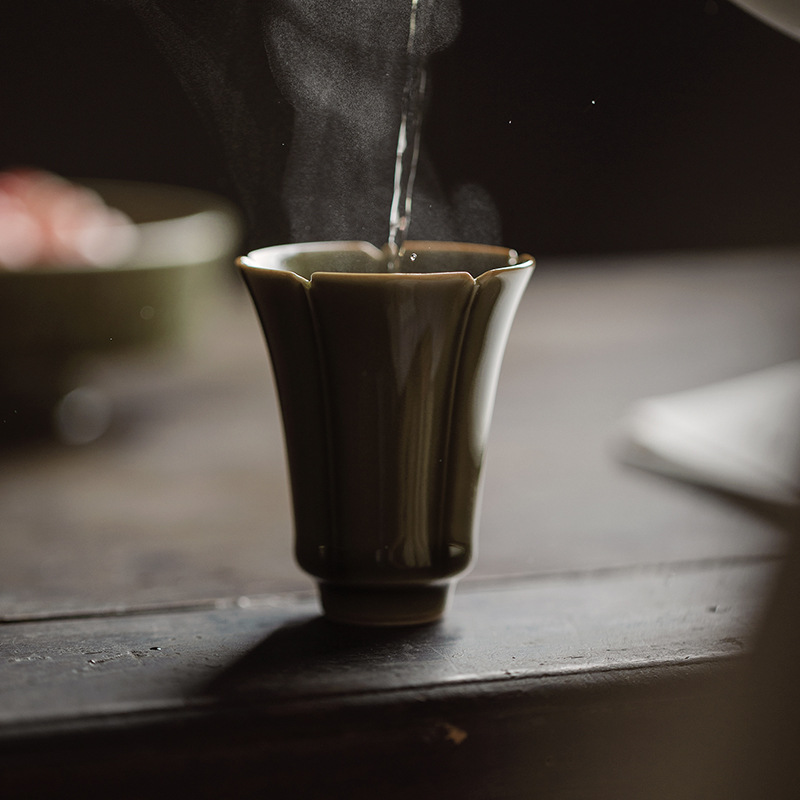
<point>386,382</point>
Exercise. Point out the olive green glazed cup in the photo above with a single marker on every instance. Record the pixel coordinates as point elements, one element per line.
<point>386,381</point>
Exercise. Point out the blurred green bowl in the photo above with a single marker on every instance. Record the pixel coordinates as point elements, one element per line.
<point>52,316</point>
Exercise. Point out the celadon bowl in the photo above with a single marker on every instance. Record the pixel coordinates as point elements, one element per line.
<point>52,317</point>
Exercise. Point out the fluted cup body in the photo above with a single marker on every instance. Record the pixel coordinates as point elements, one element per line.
<point>386,382</point>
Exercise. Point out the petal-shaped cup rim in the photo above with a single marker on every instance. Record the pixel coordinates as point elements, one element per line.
<point>275,258</point>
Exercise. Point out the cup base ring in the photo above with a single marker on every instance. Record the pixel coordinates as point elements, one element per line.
<point>393,605</point>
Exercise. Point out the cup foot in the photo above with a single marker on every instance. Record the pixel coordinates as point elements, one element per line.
<point>384,605</point>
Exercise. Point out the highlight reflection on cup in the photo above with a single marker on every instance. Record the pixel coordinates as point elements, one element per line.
<point>386,382</point>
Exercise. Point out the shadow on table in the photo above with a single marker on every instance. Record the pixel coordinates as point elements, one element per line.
<point>317,657</point>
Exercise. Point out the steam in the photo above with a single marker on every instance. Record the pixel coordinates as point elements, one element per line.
<point>343,68</point>
<point>216,51</point>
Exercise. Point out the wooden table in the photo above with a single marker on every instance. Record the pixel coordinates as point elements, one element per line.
<point>156,634</point>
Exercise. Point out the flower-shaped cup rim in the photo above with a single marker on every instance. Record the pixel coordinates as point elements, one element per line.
<point>275,258</point>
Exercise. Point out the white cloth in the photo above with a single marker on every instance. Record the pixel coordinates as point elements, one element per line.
<point>740,435</point>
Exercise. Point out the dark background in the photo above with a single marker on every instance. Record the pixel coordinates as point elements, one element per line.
<point>597,127</point>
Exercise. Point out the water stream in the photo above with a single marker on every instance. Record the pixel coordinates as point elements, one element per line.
<point>408,144</point>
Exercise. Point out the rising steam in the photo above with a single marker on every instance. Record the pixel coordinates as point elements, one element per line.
<point>341,66</point>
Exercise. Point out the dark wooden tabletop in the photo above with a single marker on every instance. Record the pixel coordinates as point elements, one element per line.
<point>147,587</point>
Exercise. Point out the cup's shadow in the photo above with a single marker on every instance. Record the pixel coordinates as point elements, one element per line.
<point>317,657</point>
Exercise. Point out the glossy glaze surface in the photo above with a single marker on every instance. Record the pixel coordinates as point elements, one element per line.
<point>386,383</point>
